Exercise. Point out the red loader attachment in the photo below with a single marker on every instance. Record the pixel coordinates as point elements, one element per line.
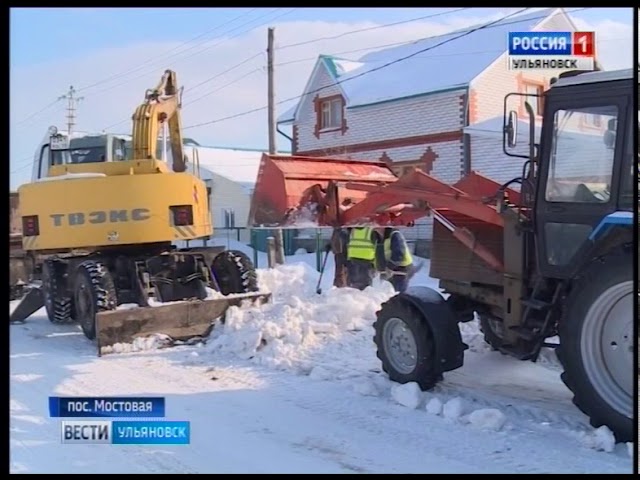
<point>309,192</point>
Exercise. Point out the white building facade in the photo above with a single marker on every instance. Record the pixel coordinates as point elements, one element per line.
<point>421,112</point>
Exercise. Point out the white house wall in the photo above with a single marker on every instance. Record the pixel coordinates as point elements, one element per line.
<point>384,129</point>
<point>488,90</point>
<point>409,117</point>
<point>227,194</point>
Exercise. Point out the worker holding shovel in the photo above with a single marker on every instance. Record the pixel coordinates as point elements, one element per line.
<point>398,258</point>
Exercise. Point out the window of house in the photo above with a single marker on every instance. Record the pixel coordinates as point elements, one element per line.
<point>535,102</point>
<point>331,113</point>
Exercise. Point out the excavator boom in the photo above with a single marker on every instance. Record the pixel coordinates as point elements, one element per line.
<point>161,105</point>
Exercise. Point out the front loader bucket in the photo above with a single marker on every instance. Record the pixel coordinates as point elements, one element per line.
<point>285,182</point>
<point>179,321</point>
<point>30,304</point>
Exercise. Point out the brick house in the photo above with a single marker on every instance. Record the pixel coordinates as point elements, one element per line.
<point>440,110</point>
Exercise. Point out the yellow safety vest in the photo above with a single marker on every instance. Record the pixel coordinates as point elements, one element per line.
<point>407,259</point>
<point>360,245</point>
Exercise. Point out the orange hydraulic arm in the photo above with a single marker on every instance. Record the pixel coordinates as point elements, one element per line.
<point>161,104</point>
<point>302,192</point>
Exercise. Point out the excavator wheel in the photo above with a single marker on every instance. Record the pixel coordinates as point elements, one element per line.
<point>57,301</point>
<point>597,344</point>
<point>94,292</point>
<point>234,272</point>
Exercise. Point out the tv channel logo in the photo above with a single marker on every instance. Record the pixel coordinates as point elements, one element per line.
<point>551,50</point>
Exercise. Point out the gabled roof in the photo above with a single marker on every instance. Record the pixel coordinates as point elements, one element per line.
<point>335,67</point>
<point>237,164</point>
<point>446,66</point>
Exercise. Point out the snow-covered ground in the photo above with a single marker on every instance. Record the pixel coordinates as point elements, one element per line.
<point>295,387</point>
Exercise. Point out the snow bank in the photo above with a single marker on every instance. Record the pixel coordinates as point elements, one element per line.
<point>291,331</point>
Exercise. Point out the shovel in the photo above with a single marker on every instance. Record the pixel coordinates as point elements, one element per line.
<point>324,264</point>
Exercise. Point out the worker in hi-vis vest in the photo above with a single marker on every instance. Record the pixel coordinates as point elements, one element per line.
<point>361,257</point>
<point>399,262</point>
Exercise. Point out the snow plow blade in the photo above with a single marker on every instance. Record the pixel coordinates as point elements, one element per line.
<point>30,304</point>
<point>179,321</point>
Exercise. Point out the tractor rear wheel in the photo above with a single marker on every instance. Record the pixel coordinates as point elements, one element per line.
<point>234,272</point>
<point>405,344</point>
<point>597,344</point>
<point>94,293</point>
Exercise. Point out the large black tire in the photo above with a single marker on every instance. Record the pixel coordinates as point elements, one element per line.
<point>596,344</point>
<point>58,301</point>
<point>234,272</point>
<point>94,292</point>
<point>405,344</point>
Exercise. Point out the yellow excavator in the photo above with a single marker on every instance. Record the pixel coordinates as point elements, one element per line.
<point>100,235</point>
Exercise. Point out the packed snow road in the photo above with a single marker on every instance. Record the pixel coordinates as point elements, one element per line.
<point>296,387</point>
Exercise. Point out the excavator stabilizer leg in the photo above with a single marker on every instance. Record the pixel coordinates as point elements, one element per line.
<point>179,321</point>
<point>30,304</point>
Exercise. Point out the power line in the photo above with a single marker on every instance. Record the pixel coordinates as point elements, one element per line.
<point>164,54</point>
<point>224,86</point>
<point>246,60</point>
<point>375,69</point>
<point>226,39</point>
<point>35,114</point>
<point>367,29</point>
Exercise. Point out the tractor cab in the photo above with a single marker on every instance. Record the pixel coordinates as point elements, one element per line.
<point>578,175</point>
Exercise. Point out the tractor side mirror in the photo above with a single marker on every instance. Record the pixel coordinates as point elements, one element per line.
<point>511,129</point>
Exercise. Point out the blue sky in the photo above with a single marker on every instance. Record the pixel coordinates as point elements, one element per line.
<point>122,50</point>
<point>51,26</point>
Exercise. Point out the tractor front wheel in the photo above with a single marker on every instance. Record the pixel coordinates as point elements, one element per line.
<point>405,344</point>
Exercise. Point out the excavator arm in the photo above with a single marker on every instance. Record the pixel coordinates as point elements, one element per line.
<point>161,104</point>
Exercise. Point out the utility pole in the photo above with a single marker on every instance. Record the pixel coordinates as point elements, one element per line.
<point>279,241</point>
<point>72,104</point>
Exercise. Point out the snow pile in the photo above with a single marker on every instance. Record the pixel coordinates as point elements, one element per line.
<point>601,439</point>
<point>408,395</point>
<point>434,406</point>
<point>472,336</point>
<point>301,329</point>
<point>487,419</point>
<point>305,216</point>
<point>366,388</point>
<point>453,409</point>
<point>140,344</point>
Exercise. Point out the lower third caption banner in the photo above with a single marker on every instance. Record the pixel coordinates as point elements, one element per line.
<point>134,432</point>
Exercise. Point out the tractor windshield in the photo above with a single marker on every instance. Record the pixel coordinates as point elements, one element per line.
<point>583,143</point>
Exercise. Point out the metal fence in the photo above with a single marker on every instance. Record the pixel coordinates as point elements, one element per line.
<point>301,241</point>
